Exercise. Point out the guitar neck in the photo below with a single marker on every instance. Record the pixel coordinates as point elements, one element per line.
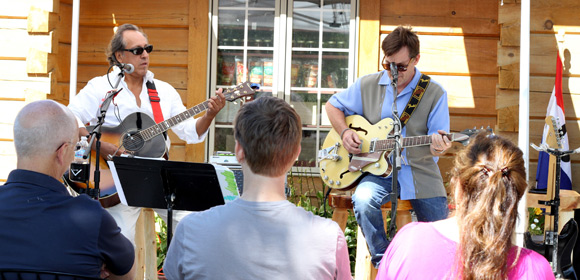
<point>151,132</point>
<point>413,141</point>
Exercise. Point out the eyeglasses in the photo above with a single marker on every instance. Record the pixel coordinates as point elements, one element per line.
<point>61,145</point>
<point>400,67</point>
<point>139,50</point>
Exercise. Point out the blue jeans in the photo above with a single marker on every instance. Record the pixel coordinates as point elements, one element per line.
<point>370,194</point>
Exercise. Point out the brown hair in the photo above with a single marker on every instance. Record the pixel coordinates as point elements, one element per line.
<point>490,179</point>
<point>118,43</point>
<point>269,131</point>
<point>401,37</point>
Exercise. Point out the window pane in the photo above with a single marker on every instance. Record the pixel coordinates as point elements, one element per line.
<point>224,139</point>
<point>260,28</point>
<point>304,103</point>
<point>306,4</point>
<point>261,68</point>
<point>262,4</point>
<point>305,29</point>
<point>231,28</point>
<point>232,3</point>
<point>324,97</point>
<point>227,64</point>
<point>304,69</point>
<point>309,151</point>
<point>334,70</point>
<point>335,29</point>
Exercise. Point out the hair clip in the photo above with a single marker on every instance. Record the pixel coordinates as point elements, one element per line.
<point>504,171</point>
<point>486,171</point>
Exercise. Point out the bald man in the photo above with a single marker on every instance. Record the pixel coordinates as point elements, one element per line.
<point>43,227</point>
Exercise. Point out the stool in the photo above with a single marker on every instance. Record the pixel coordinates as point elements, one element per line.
<point>341,203</point>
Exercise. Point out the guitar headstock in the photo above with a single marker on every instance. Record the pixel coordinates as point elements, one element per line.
<point>244,90</point>
<point>554,138</point>
<point>470,132</point>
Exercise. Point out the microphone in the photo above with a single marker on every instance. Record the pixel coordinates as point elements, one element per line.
<point>394,72</point>
<point>126,67</point>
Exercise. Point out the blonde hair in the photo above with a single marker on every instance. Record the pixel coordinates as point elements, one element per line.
<point>489,176</point>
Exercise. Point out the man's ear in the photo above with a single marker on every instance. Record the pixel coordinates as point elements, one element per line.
<point>239,152</point>
<point>417,59</point>
<point>61,154</point>
<point>119,56</point>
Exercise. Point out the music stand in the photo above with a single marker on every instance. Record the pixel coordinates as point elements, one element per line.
<point>170,185</point>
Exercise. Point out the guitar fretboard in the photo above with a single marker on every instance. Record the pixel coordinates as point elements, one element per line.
<point>238,91</point>
<point>165,125</point>
<point>414,141</point>
<point>389,144</point>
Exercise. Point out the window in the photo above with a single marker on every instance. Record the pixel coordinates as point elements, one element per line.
<point>302,51</point>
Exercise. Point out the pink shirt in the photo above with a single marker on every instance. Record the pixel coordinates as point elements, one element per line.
<point>419,251</point>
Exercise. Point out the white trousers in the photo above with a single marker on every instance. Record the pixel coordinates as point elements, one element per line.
<point>126,218</point>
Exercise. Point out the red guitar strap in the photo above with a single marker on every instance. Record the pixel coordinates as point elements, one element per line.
<point>154,99</point>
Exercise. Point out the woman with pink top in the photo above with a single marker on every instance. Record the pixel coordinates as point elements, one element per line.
<point>488,180</point>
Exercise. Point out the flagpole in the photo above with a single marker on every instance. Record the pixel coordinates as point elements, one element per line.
<point>524,112</point>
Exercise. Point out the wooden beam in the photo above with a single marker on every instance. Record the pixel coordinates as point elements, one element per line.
<point>369,48</point>
<point>41,22</point>
<point>145,13</point>
<point>197,46</point>
<point>39,63</point>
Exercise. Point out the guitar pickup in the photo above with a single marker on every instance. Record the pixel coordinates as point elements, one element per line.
<point>372,145</point>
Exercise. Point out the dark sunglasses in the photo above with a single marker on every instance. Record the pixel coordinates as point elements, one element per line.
<point>139,50</point>
<point>400,67</point>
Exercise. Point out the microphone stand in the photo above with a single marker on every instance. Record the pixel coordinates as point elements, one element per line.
<point>551,238</point>
<point>396,163</point>
<point>95,192</point>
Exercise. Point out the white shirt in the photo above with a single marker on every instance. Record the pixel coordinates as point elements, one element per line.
<point>86,105</point>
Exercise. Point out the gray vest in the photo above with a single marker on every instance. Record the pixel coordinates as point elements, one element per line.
<point>426,175</point>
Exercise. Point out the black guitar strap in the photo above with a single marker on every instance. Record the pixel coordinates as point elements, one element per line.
<point>418,93</point>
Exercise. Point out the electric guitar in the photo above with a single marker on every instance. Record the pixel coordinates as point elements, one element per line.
<point>556,250</point>
<point>341,170</point>
<point>139,135</point>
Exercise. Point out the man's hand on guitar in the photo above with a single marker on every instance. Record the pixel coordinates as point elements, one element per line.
<point>439,143</point>
<point>351,141</point>
<point>216,103</point>
<point>109,149</point>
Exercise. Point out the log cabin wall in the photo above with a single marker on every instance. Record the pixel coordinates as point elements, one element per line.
<point>548,17</point>
<point>28,38</point>
<point>458,49</point>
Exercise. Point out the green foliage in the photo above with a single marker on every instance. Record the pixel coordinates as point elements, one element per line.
<point>161,230</point>
<point>536,220</point>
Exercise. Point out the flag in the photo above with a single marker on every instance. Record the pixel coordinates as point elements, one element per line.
<point>555,109</point>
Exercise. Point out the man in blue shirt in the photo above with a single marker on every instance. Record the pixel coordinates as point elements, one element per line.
<point>372,97</point>
<point>44,228</point>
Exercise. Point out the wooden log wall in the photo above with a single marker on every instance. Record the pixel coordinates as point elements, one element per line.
<point>548,17</point>
<point>458,49</point>
<point>178,29</point>
<point>27,36</point>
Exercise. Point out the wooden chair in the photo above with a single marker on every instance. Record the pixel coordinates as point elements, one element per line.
<point>342,203</point>
<point>22,274</point>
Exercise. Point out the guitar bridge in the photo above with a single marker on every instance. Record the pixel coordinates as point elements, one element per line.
<point>329,153</point>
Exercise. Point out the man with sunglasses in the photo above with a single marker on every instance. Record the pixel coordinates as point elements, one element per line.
<point>130,45</point>
<point>372,97</point>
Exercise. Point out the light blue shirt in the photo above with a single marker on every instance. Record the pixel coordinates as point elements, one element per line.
<point>349,101</point>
